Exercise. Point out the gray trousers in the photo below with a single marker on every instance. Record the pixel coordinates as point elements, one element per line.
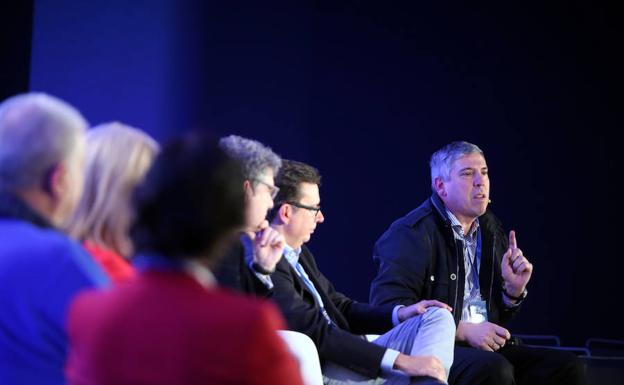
<point>429,334</point>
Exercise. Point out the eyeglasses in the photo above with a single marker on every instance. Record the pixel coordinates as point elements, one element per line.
<point>273,190</point>
<point>314,209</point>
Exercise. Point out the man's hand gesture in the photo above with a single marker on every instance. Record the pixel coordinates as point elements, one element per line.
<point>515,268</point>
<point>419,308</point>
<point>485,335</point>
<point>268,247</point>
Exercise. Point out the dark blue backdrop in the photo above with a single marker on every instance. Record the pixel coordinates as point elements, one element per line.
<point>366,91</point>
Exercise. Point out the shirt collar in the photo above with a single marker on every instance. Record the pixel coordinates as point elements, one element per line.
<point>13,207</point>
<point>292,255</point>
<point>458,228</point>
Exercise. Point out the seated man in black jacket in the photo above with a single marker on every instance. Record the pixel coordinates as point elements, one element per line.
<point>453,249</point>
<point>418,341</point>
<point>246,267</point>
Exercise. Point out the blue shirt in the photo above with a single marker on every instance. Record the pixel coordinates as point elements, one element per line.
<point>472,258</point>
<point>41,271</point>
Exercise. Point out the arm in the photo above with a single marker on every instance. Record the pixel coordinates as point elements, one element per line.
<point>363,318</point>
<point>267,247</point>
<point>485,335</point>
<point>516,270</point>
<point>402,258</point>
<point>334,344</point>
<point>234,273</point>
<point>505,308</point>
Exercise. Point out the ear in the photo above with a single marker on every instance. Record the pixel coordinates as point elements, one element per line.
<point>284,213</point>
<point>248,188</point>
<point>56,181</point>
<point>438,183</point>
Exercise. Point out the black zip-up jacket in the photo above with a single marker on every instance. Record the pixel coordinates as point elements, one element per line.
<point>418,258</point>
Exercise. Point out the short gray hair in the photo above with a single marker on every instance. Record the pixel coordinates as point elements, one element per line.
<point>37,132</point>
<point>443,159</point>
<point>253,156</point>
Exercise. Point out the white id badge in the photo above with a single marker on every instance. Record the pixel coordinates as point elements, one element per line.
<point>477,310</point>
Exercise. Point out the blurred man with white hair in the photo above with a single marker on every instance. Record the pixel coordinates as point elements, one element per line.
<point>41,270</point>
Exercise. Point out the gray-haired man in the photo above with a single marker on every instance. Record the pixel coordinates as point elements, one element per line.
<point>41,270</point>
<point>248,265</point>
<point>453,249</point>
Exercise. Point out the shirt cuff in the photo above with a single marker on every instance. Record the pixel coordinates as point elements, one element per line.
<point>395,315</point>
<point>265,279</point>
<point>509,303</point>
<point>387,361</point>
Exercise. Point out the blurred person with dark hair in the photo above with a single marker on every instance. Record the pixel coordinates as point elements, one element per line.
<point>417,341</point>
<point>41,269</point>
<point>118,156</point>
<point>171,324</point>
<point>454,249</point>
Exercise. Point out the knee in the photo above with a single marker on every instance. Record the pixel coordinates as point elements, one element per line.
<point>571,369</point>
<point>473,366</point>
<point>576,372</point>
<point>440,316</point>
<point>499,370</point>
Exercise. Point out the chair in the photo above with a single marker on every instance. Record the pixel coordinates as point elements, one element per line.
<point>302,347</point>
<point>605,347</point>
<point>604,370</point>
<point>550,342</point>
<point>606,364</point>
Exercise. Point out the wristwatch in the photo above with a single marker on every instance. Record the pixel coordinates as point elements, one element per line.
<point>511,297</point>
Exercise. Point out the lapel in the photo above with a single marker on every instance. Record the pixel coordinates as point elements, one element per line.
<point>299,285</point>
<point>307,261</point>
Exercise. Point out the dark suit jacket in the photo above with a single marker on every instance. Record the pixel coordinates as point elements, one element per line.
<point>340,342</point>
<point>234,273</point>
<point>163,327</point>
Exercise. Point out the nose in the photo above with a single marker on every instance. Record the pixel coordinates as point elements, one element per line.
<point>478,179</point>
<point>320,218</point>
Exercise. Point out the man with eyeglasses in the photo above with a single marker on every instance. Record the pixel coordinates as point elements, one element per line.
<point>248,264</point>
<point>247,267</point>
<point>417,346</point>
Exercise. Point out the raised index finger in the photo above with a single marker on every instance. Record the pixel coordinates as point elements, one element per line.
<point>512,240</point>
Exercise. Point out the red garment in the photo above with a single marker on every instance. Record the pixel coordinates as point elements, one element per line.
<point>163,327</point>
<point>116,267</point>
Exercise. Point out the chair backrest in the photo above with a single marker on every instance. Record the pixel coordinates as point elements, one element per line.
<point>550,342</point>
<point>604,370</point>
<point>539,339</point>
<point>302,347</point>
<point>604,347</point>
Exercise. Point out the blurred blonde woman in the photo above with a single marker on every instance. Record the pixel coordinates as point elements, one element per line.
<point>118,157</point>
